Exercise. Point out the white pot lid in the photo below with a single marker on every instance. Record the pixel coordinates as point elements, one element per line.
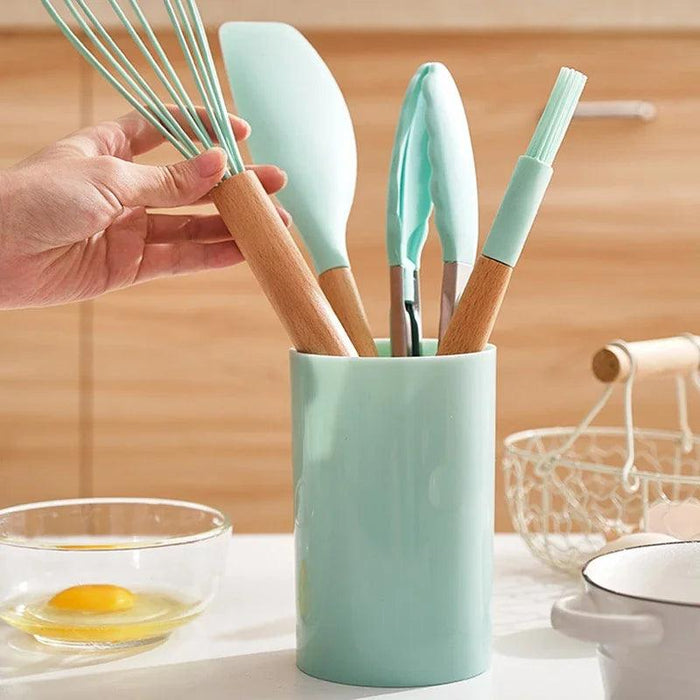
<point>660,573</point>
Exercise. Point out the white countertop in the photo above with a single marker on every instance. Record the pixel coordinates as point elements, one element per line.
<point>243,646</point>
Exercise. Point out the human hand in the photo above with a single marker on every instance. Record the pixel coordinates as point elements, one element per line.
<point>74,222</point>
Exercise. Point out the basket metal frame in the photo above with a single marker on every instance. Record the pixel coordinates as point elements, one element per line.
<point>567,551</point>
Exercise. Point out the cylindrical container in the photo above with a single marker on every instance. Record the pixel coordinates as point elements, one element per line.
<point>393,474</point>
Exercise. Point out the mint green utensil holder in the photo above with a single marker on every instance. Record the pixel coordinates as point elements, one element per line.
<point>393,502</point>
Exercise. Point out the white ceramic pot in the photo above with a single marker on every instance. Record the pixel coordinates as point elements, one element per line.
<point>642,607</point>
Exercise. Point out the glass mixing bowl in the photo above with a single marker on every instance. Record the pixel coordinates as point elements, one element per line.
<point>105,573</point>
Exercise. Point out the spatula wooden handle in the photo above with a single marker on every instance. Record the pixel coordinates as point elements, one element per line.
<point>473,321</point>
<point>279,267</point>
<point>664,356</point>
<point>338,284</point>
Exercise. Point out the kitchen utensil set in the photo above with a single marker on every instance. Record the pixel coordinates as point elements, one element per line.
<point>301,122</point>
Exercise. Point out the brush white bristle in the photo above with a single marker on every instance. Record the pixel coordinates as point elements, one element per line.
<point>556,116</point>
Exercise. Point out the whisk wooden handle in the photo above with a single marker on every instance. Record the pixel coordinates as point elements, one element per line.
<point>473,320</point>
<point>279,267</point>
<point>658,357</point>
<point>340,288</point>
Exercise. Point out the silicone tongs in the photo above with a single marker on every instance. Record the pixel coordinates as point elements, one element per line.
<point>432,165</point>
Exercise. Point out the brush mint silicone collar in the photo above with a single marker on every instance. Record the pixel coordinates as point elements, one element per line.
<point>518,210</point>
<point>533,171</point>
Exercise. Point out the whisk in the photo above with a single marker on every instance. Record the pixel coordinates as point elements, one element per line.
<point>241,200</point>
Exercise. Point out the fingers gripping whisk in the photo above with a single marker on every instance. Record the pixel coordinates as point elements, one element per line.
<point>190,134</point>
<point>246,209</point>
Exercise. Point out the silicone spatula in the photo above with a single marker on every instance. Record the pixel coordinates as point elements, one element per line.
<point>301,123</point>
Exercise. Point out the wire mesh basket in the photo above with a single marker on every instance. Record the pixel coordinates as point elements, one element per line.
<point>572,489</point>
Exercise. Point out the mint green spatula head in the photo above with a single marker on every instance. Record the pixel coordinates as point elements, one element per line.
<point>301,123</point>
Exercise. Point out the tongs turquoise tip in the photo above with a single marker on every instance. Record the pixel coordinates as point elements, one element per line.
<point>432,167</point>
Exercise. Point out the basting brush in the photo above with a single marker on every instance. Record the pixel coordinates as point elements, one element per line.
<point>473,321</point>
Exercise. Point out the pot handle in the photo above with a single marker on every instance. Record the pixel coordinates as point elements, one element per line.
<point>575,616</point>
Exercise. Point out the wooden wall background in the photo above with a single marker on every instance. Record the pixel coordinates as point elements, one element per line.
<point>179,388</point>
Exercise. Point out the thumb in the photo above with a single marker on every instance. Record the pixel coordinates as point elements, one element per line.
<point>170,185</point>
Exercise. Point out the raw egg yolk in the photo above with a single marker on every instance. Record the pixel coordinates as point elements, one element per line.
<point>94,598</point>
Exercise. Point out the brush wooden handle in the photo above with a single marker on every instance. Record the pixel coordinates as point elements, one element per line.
<point>338,284</point>
<point>279,267</point>
<point>664,356</point>
<point>472,323</point>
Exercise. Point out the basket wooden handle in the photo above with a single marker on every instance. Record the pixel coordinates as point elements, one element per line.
<point>279,267</point>
<point>658,357</point>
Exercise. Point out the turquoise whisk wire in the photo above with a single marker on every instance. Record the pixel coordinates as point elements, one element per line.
<point>99,67</point>
<point>123,66</point>
<point>178,93</point>
<point>210,69</point>
<point>131,85</point>
<point>189,45</point>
